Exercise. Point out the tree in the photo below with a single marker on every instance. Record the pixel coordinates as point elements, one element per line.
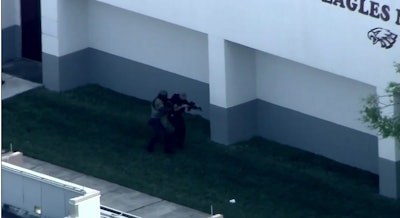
<point>375,110</point>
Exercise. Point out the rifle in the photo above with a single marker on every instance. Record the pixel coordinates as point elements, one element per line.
<point>193,106</point>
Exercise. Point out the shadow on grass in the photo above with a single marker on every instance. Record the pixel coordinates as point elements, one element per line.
<point>101,133</point>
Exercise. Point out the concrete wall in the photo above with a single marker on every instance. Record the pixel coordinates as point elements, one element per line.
<point>288,78</point>
<point>315,33</point>
<point>294,72</point>
<point>142,55</point>
<point>293,104</point>
<point>27,190</point>
<point>149,41</point>
<point>124,51</point>
<point>290,71</point>
<point>10,30</point>
<point>311,91</point>
<point>10,13</point>
<point>314,110</point>
<point>64,37</point>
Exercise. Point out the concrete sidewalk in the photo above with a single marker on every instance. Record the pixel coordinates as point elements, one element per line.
<point>112,195</point>
<point>14,85</point>
<point>116,196</point>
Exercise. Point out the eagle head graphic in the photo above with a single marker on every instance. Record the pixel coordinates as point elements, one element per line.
<point>383,36</point>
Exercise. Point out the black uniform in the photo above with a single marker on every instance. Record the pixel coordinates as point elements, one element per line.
<point>177,120</point>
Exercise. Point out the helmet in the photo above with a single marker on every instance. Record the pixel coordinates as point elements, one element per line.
<point>163,94</point>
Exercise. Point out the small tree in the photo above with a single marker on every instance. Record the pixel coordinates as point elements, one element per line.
<point>373,113</point>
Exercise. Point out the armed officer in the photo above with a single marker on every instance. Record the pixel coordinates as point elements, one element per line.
<point>160,108</point>
<point>180,105</point>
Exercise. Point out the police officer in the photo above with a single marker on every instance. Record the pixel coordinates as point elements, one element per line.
<point>160,109</point>
<point>180,105</point>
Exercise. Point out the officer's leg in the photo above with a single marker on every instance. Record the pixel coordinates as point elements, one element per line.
<point>158,135</point>
<point>168,141</point>
<point>180,133</point>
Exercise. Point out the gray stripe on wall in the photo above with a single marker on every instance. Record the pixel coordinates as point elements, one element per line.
<point>228,126</point>
<point>389,177</point>
<point>11,43</point>
<point>66,72</point>
<point>119,74</point>
<point>50,71</point>
<point>295,129</point>
<point>234,124</point>
<point>319,136</point>
<point>143,81</point>
<point>75,69</point>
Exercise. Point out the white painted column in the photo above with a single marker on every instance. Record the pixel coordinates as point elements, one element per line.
<point>389,149</point>
<point>64,26</point>
<point>50,44</point>
<point>389,165</point>
<point>10,13</point>
<point>232,91</point>
<point>11,30</point>
<point>218,86</point>
<point>218,89</point>
<point>389,168</point>
<point>64,31</point>
<point>49,13</point>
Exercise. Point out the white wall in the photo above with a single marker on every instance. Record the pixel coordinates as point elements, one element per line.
<point>49,15</point>
<point>240,74</point>
<point>311,91</point>
<point>315,33</point>
<point>330,39</point>
<point>217,68</point>
<point>10,13</point>
<point>25,189</point>
<point>149,41</point>
<point>73,23</point>
<point>85,206</point>
<point>64,26</point>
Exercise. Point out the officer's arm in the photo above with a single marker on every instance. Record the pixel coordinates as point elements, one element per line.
<point>158,104</point>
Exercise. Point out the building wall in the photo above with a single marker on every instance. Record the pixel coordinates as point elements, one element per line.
<point>123,51</point>
<point>311,91</point>
<point>314,110</point>
<point>64,40</point>
<point>293,72</point>
<point>296,105</point>
<point>25,189</point>
<point>10,15</point>
<point>146,54</point>
<point>10,30</point>
<point>149,41</point>
<point>30,191</point>
<point>315,33</point>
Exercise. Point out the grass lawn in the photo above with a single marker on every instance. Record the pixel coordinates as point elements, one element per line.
<point>102,133</point>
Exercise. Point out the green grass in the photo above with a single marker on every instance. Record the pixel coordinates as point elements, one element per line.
<point>102,133</point>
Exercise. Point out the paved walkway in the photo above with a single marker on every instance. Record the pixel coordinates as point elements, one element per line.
<point>14,85</point>
<point>112,195</point>
<point>116,196</point>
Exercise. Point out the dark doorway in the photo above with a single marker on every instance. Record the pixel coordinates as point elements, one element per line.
<point>31,30</point>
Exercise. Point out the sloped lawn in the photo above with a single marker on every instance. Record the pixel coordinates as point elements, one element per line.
<point>101,133</point>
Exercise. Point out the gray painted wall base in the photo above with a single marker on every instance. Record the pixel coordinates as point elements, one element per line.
<point>66,72</point>
<point>143,81</point>
<point>235,124</point>
<point>254,118</point>
<point>11,43</point>
<point>51,72</point>
<point>91,66</point>
<point>298,130</point>
<point>322,137</point>
<point>389,178</point>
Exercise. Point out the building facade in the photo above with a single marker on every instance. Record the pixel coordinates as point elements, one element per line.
<point>294,72</point>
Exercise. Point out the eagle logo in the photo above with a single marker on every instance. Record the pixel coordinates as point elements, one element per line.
<point>383,36</point>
